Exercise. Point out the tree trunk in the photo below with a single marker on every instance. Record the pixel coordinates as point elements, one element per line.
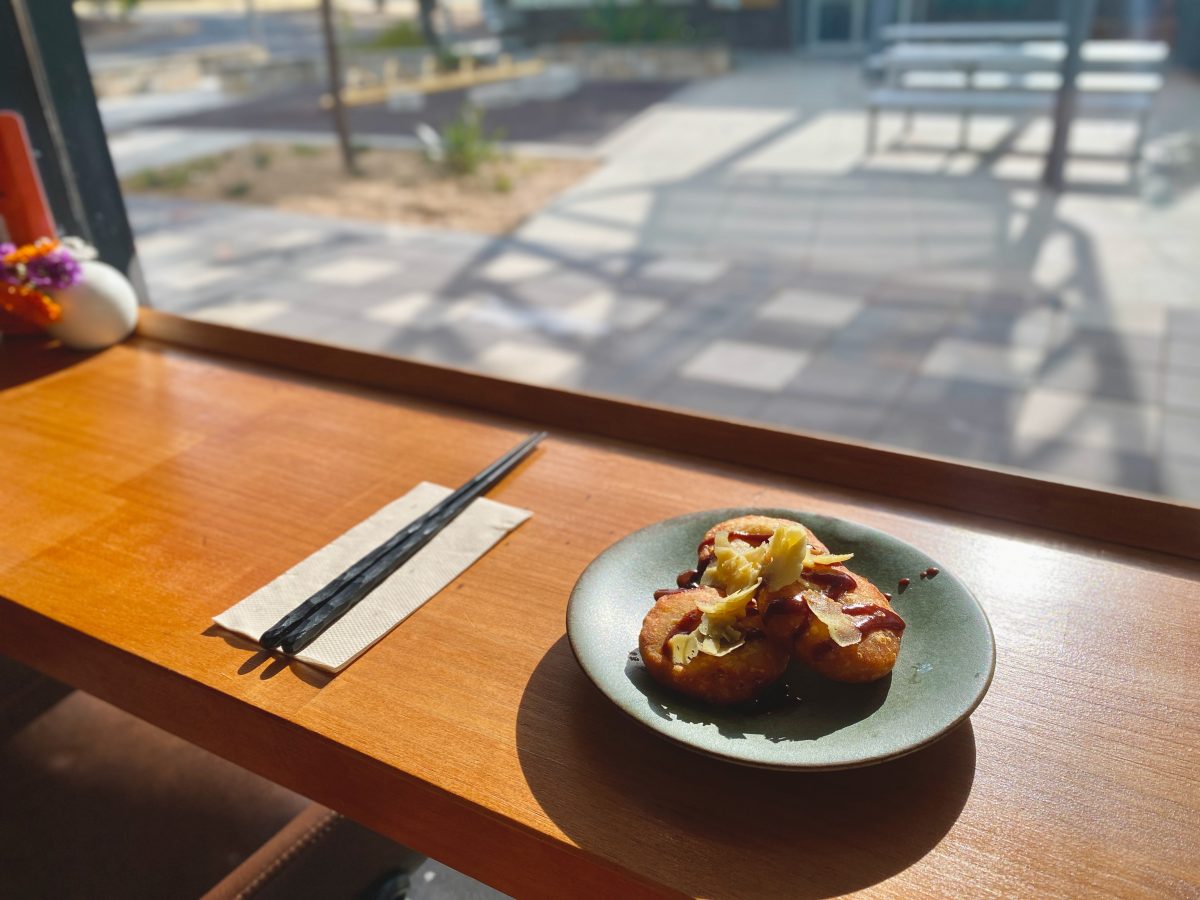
<point>334,65</point>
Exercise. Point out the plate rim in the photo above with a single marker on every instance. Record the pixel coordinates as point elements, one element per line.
<point>730,512</point>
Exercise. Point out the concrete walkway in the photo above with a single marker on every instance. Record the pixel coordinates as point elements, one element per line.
<point>739,254</point>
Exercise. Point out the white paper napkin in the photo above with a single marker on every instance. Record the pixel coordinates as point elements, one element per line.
<point>438,563</point>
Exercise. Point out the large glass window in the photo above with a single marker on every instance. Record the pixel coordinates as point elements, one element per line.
<point>963,228</point>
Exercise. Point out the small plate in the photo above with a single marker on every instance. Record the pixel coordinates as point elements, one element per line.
<point>946,660</point>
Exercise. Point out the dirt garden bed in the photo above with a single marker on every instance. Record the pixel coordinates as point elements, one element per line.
<point>398,186</point>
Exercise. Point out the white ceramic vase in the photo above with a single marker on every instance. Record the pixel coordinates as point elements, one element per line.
<point>98,311</point>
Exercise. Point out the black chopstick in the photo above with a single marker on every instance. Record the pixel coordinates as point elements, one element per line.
<point>308,620</point>
<point>274,635</point>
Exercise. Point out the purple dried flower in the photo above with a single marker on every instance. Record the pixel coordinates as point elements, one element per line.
<point>56,269</point>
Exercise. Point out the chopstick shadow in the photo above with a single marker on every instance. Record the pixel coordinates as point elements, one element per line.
<point>267,663</point>
<point>624,793</point>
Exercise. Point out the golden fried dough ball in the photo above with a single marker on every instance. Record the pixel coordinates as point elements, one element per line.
<point>732,678</point>
<point>764,525</point>
<point>869,660</point>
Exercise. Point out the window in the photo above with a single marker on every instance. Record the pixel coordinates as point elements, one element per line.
<point>680,205</point>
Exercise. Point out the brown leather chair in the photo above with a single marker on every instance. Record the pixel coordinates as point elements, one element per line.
<point>97,803</point>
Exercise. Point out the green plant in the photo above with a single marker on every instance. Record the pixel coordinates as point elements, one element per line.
<point>262,159</point>
<point>304,150</point>
<point>173,178</point>
<point>643,22</point>
<point>465,144</point>
<point>237,189</point>
<point>401,36</point>
<point>502,183</point>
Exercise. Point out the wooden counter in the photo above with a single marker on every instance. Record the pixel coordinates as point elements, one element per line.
<point>148,487</point>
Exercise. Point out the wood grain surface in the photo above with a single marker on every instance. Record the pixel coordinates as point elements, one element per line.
<point>147,488</point>
<point>1166,525</point>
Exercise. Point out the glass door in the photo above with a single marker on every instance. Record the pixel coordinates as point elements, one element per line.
<point>836,25</point>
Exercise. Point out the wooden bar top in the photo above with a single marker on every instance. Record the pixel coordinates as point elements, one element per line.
<point>148,487</point>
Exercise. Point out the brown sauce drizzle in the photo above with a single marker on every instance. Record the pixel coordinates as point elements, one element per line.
<point>791,605</point>
<point>752,539</point>
<point>881,617</point>
<point>834,583</point>
<point>692,577</point>
<point>686,625</point>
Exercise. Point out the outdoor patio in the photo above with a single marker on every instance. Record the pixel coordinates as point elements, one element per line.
<point>740,253</point>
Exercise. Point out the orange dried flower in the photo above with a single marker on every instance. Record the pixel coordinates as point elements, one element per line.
<point>29,304</point>
<point>27,252</point>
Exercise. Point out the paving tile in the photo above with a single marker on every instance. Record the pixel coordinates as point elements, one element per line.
<point>811,307</point>
<point>289,239</point>
<point>1182,389</point>
<point>1071,461</point>
<point>742,364</point>
<point>934,433</point>
<point>1180,479</point>
<point>515,317</point>
<point>690,271</point>
<point>362,334</point>
<point>303,324</point>
<point>615,312</point>
<point>164,244</point>
<point>190,277</point>
<point>962,405</point>
<point>558,289</point>
<point>351,271</point>
<point>1182,356</point>
<point>401,311</point>
<point>805,413</point>
<point>876,322</point>
<point>901,353</point>
<point>1086,374</point>
<point>981,361</point>
<point>1020,328</point>
<point>1184,324</point>
<point>843,381</point>
<point>515,266</point>
<point>787,335</point>
<point>1180,435</point>
<point>1078,418</point>
<point>896,289</point>
<point>530,362</point>
<point>730,401</point>
<point>1107,347</point>
<point>241,313</point>
<point>1144,318</point>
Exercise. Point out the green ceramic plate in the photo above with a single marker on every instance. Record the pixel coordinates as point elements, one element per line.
<point>946,658</point>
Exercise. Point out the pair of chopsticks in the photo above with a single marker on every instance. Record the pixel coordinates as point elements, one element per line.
<point>308,621</point>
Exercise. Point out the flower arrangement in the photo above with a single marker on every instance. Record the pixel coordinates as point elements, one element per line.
<point>28,272</point>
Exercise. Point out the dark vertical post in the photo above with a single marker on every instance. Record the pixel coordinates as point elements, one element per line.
<point>44,76</point>
<point>1079,27</point>
<point>334,64</point>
